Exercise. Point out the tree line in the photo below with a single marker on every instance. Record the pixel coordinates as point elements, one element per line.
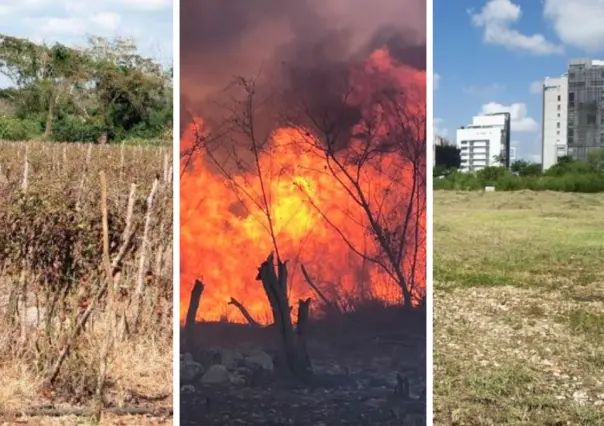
<point>106,89</point>
<point>567,175</point>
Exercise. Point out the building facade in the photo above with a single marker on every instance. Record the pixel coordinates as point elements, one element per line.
<point>554,121</point>
<point>573,112</point>
<point>485,142</point>
<point>585,122</point>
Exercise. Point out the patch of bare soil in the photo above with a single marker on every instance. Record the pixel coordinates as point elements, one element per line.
<point>368,369</point>
<point>109,419</point>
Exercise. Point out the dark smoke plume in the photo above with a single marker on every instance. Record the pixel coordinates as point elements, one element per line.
<point>302,46</point>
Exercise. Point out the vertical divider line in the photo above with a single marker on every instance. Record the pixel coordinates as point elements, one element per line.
<point>176,214</point>
<point>429,210</point>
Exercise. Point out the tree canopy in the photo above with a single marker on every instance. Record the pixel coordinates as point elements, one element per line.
<point>447,157</point>
<point>73,94</point>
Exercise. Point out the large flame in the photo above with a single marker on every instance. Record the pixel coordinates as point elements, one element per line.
<point>224,233</point>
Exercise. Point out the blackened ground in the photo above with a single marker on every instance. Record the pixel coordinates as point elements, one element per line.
<point>356,359</point>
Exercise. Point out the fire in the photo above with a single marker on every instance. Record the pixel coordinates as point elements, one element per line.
<point>225,234</point>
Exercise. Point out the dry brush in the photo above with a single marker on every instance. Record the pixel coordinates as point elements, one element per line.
<point>86,271</point>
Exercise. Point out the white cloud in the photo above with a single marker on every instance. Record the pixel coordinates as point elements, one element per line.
<point>54,27</point>
<point>107,21</point>
<point>148,22</point>
<point>497,18</point>
<point>144,4</point>
<point>578,23</point>
<point>436,81</point>
<point>520,121</point>
<point>438,129</point>
<point>536,87</point>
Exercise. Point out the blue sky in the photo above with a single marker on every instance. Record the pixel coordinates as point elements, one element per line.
<point>492,55</point>
<point>69,22</point>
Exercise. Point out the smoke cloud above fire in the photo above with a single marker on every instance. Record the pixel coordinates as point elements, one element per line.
<point>286,40</point>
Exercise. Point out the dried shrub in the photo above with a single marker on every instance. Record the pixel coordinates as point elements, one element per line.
<point>51,258</point>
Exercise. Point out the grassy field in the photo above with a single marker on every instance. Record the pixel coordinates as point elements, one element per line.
<point>519,308</point>
<point>109,311</point>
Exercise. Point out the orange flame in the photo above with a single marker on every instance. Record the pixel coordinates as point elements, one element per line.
<point>224,235</point>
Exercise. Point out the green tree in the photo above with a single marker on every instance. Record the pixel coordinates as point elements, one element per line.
<point>596,159</point>
<point>78,94</point>
<point>45,78</point>
<point>525,168</point>
<point>490,175</point>
<point>447,156</point>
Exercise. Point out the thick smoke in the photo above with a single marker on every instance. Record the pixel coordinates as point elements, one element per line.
<point>303,46</point>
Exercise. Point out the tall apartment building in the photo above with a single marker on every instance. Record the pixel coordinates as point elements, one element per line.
<point>554,121</point>
<point>485,142</point>
<point>585,131</point>
<point>573,112</point>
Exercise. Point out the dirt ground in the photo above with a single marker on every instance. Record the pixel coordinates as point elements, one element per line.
<point>355,361</point>
<point>518,308</point>
<point>107,420</point>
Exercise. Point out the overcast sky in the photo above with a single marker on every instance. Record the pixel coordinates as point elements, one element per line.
<point>69,22</point>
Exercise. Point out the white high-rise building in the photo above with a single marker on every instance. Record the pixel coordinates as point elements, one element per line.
<point>555,121</point>
<point>485,142</point>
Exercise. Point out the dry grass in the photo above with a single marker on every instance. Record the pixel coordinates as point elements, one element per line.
<point>519,308</point>
<point>124,353</point>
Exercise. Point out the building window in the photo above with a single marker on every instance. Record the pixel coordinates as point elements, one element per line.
<point>558,132</point>
<point>558,107</point>
<point>558,124</point>
<point>558,98</point>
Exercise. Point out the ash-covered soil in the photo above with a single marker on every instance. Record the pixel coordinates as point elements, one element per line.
<point>363,364</point>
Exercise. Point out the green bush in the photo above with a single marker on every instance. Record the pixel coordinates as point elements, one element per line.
<point>458,181</point>
<point>491,175</point>
<point>72,129</point>
<point>566,176</point>
<point>15,129</point>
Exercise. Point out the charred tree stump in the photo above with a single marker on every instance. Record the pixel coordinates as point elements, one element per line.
<point>295,356</point>
<point>402,387</point>
<point>303,314</point>
<point>189,336</point>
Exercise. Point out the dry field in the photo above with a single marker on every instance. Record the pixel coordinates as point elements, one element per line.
<point>519,308</point>
<point>85,291</point>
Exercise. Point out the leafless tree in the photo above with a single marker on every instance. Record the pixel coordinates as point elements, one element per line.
<point>235,148</point>
<point>381,166</point>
